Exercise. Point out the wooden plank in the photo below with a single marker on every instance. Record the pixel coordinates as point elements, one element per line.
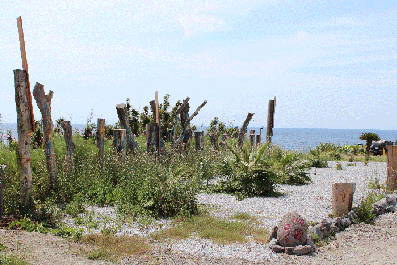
<point>25,67</point>
<point>391,183</point>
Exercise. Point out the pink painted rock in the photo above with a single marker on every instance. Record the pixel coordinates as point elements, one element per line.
<point>292,230</point>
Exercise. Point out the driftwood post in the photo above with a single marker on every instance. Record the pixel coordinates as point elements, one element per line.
<point>124,123</point>
<point>44,103</point>
<point>270,120</point>
<point>1,190</point>
<point>152,137</point>
<point>156,96</point>
<point>258,139</point>
<point>100,139</point>
<point>24,131</point>
<point>119,142</point>
<point>70,146</point>
<point>243,129</point>
<point>391,183</point>
<point>342,198</point>
<point>214,140</point>
<point>223,140</point>
<point>252,140</point>
<point>198,139</point>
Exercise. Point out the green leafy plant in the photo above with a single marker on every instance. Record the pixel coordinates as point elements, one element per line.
<point>364,210</point>
<point>369,137</point>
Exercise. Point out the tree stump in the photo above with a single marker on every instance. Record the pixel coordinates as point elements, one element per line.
<point>70,146</point>
<point>258,139</point>
<point>214,140</point>
<point>44,103</point>
<point>119,142</point>
<point>342,198</point>
<point>223,140</point>
<point>100,139</point>
<point>252,140</point>
<point>391,182</point>
<point>124,123</point>
<point>152,132</point>
<point>24,131</point>
<point>270,120</point>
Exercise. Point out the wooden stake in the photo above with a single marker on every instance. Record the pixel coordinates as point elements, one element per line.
<point>156,94</point>
<point>342,198</point>
<point>1,191</point>
<point>119,143</point>
<point>243,129</point>
<point>270,120</point>
<point>23,119</point>
<point>44,103</point>
<point>70,146</point>
<point>124,122</point>
<point>25,67</point>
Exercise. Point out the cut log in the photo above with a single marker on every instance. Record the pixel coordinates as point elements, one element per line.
<point>152,138</point>
<point>70,146</point>
<point>342,198</point>
<point>24,129</point>
<point>270,120</point>
<point>198,139</point>
<point>44,103</point>
<point>391,183</point>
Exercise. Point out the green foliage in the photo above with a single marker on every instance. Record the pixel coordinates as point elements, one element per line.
<point>369,137</point>
<point>29,225</point>
<point>36,139</point>
<point>316,160</point>
<point>339,166</point>
<point>364,210</point>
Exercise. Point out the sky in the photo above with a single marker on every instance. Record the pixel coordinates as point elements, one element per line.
<point>331,64</point>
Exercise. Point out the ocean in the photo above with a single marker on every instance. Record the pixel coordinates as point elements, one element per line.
<point>298,139</point>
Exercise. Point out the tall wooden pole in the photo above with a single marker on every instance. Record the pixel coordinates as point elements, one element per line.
<point>119,143</point>
<point>44,103</point>
<point>270,120</point>
<point>124,122</point>
<point>243,129</point>
<point>24,129</point>
<point>25,67</point>
<point>156,94</point>
<point>1,190</point>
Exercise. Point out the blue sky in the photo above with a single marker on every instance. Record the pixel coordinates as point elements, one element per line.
<point>331,64</point>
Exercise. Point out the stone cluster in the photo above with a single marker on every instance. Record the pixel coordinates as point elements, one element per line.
<point>330,225</point>
<point>385,205</point>
<point>290,236</point>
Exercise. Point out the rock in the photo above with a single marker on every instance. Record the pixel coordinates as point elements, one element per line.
<point>273,234</point>
<point>391,199</point>
<point>381,204</point>
<point>272,243</point>
<point>292,230</point>
<point>337,221</point>
<point>390,209</point>
<point>311,243</point>
<point>289,250</point>
<point>302,250</point>
<point>316,230</point>
<point>346,222</point>
<point>352,215</point>
<point>326,225</point>
<point>278,249</point>
<point>334,228</point>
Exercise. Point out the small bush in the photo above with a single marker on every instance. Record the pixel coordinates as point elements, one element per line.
<point>364,210</point>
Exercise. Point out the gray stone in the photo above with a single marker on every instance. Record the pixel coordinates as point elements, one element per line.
<point>334,228</point>
<point>292,230</point>
<point>289,250</point>
<point>346,222</point>
<point>337,221</point>
<point>273,234</point>
<point>311,243</point>
<point>390,208</point>
<point>278,249</point>
<point>352,215</point>
<point>302,250</point>
<point>316,230</point>
<point>381,204</point>
<point>391,199</point>
<point>272,243</point>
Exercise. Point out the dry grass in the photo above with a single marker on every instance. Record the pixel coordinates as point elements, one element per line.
<point>114,248</point>
<point>221,231</point>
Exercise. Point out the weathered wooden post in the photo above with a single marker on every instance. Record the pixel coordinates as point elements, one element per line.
<point>198,139</point>
<point>270,120</point>
<point>214,140</point>
<point>100,139</point>
<point>70,146</point>
<point>24,131</point>
<point>1,190</point>
<point>252,140</point>
<point>252,132</point>
<point>152,137</point>
<point>44,103</point>
<point>119,142</point>
<point>258,139</point>
<point>223,140</point>
<point>243,129</point>
<point>391,183</point>
<point>342,198</point>
<point>124,123</point>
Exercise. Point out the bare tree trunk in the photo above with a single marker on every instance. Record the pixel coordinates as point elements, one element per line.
<point>124,123</point>
<point>214,140</point>
<point>70,146</point>
<point>44,103</point>
<point>243,129</point>
<point>1,191</point>
<point>152,138</point>
<point>198,138</point>
<point>100,139</point>
<point>24,130</point>
<point>270,120</point>
<point>391,182</point>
